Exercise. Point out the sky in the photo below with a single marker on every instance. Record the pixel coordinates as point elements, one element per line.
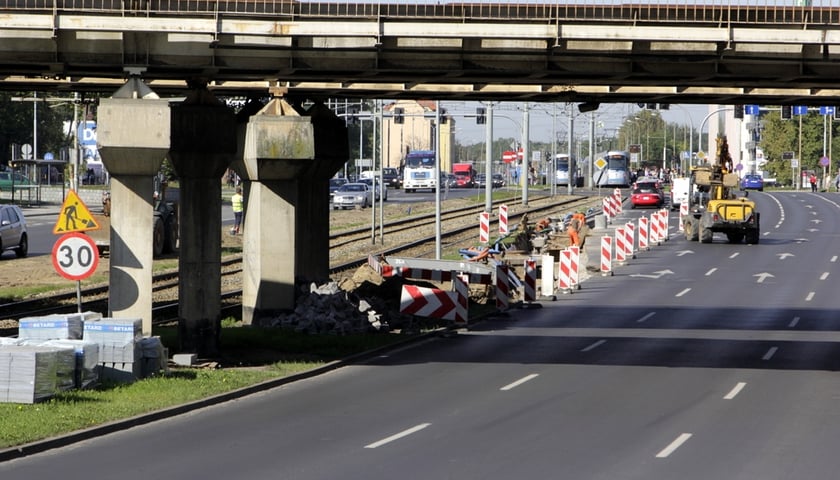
<point>508,119</point>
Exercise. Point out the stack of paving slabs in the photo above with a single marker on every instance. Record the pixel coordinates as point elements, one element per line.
<point>29,374</point>
<point>51,327</point>
<point>86,353</point>
<point>120,355</point>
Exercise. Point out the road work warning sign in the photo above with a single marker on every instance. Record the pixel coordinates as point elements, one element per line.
<point>74,216</point>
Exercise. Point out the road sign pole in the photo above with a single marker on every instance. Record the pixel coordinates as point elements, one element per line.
<point>79,296</point>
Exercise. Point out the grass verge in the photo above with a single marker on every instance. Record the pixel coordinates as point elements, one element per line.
<point>267,353</point>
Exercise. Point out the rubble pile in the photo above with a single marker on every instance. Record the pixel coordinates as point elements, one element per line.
<point>363,303</point>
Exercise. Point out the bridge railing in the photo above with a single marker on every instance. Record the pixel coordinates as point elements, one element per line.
<point>797,13</point>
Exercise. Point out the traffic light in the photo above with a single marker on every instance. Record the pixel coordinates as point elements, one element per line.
<point>664,106</point>
<point>739,111</point>
<point>480,115</point>
<point>444,118</point>
<point>786,112</point>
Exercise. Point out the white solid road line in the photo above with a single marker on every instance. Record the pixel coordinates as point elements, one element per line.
<point>398,436</point>
<point>683,292</point>
<point>594,345</point>
<point>673,446</point>
<point>511,386</point>
<point>735,391</point>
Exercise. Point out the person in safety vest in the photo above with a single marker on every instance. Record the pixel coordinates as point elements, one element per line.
<point>577,222</point>
<point>237,203</point>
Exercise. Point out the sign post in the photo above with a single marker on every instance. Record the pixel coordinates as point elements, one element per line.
<point>75,257</point>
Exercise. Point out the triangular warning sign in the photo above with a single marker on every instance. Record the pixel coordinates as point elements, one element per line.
<point>74,216</point>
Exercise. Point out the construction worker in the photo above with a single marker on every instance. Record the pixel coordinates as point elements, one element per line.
<point>238,205</point>
<point>576,224</point>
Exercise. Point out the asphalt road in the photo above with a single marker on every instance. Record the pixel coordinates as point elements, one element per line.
<point>694,361</point>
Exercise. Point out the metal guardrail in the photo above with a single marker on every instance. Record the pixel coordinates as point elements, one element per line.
<point>796,13</point>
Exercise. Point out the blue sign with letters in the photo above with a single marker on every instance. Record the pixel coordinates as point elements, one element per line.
<point>800,110</point>
<point>87,133</point>
<point>826,110</point>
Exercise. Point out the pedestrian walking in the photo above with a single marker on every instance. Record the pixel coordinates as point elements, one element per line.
<point>813,180</point>
<point>238,205</point>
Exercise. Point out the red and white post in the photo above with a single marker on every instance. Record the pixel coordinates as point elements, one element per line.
<point>606,256</point>
<point>503,220</point>
<point>484,228</point>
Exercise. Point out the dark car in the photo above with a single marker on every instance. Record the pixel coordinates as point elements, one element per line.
<point>647,196</point>
<point>391,177</point>
<point>752,181</point>
<point>498,180</point>
<point>480,180</point>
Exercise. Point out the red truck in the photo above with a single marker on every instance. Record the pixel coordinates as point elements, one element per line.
<point>464,174</point>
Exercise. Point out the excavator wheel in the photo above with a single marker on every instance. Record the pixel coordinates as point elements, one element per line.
<point>158,236</point>
<point>706,235</point>
<point>690,229</point>
<point>752,237</point>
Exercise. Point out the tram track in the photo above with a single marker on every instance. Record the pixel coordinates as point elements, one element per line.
<point>459,227</point>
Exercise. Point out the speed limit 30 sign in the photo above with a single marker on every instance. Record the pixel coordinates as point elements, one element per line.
<point>75,256</point>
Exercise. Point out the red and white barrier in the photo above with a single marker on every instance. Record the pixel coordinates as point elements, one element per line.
<point>564,274</point>
<point>617,200</point>
<point>574,259</point>
<point>606,255</point>
<point>620,249</point>
<point>607,207</point>
<point>503,220</point>
<point>643,234</point>
<point>683,214</point>
<point>629,235</point>
<point>436,303</point>
<point>654,229</point>
<point>484,228</point>
<point>502,287</point>
<point>462,299</point>
<point>530,291</point>
<point>666,222</point>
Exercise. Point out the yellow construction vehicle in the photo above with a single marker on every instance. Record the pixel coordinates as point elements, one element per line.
<point>713,205</point>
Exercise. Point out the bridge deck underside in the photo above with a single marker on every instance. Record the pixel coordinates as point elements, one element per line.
<point>537,52</point>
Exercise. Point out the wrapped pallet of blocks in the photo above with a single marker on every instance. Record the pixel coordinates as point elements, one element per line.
<point>51,327</point>
<point>120,354</point>
<point>30,374</point>
<point>87,360</point>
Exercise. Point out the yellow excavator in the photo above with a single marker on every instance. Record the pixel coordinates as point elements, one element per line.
<point>713,205</point>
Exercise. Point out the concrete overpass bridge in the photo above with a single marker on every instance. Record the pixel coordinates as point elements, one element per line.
<point>133,54</point>
<point>677,51</point>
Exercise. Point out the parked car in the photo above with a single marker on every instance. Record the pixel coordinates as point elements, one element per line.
<point>498,180</point>
<point>480,180</point>
<point>353,195</point>
<point>646,196</point>
<point>752,181</point>
<point>449,180</point>
<point>13,234</point>
<point>7,178</point>
<point>335,184</point>
<point>380,190</point>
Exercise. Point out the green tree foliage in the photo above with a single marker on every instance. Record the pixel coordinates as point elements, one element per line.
<point>781,136</point>
<point>16,124</point>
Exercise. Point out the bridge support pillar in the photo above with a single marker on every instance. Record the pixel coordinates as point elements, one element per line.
<point>133,138</point>
<point>203,145</point>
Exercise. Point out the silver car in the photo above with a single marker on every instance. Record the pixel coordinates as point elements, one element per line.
<point>353,195</point>
<point>13,234</point>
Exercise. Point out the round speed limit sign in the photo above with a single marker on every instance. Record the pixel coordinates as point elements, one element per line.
<point>75,256</point>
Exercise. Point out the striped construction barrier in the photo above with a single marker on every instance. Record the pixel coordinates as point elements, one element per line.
<point>644,234</point>
<point>654,229</point>
<point>462,299</point>
<point>606,255</point>
<point>438,275</point>
<point>564,272</point>
<point>502,287</point>
<point>607,207</point>
<point>629,235</point>
<point>683,214</point>
<point>484,228</point>
<point>503,220</point>
<point>435,302</point>
<point>617,200</point>
<point>666,220</point>
<point>530,291</point>
<point>574,258</point>
<point>620,249</point>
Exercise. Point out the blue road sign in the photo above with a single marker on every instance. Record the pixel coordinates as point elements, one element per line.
<point>826,110</point>
<point>800,110</point>
<point>752,110</point>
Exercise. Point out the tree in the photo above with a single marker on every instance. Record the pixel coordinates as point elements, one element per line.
<point>16,125</point>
